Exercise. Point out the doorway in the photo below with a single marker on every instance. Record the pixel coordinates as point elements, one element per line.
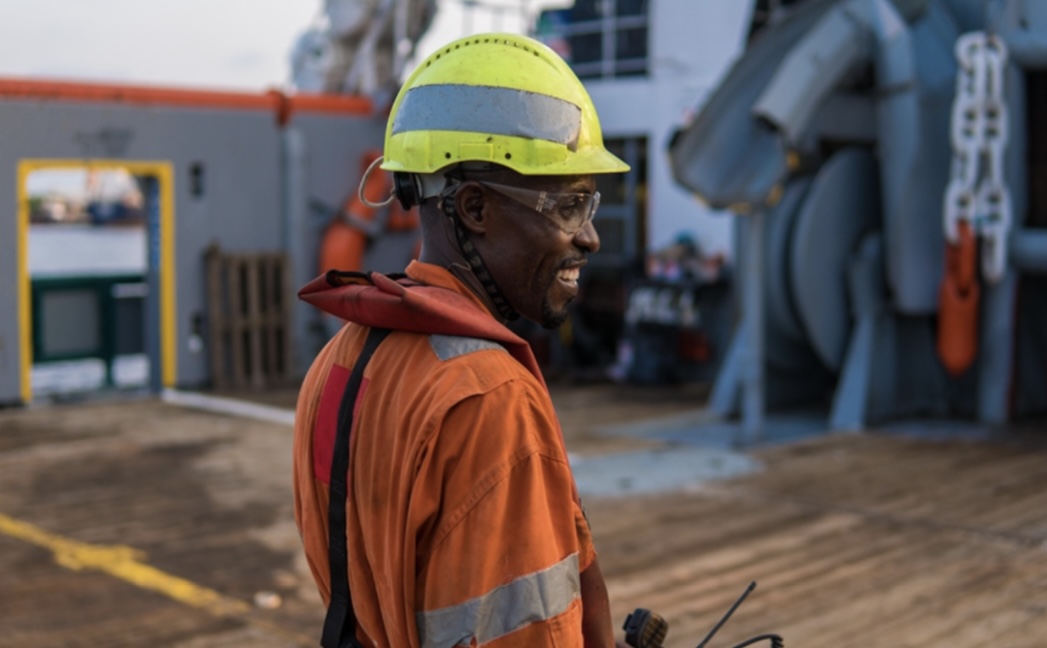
<point>96,280</point>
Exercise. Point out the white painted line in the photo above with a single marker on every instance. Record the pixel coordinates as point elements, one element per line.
<point>230,406</point>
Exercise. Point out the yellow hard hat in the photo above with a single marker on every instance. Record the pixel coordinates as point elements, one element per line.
<point>496,98</point>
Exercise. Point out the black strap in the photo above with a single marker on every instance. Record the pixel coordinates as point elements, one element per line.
<point>340,623</point>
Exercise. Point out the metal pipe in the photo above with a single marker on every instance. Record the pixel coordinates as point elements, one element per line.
<point>1028,49</point>
<point>812,69</point>
<point>996,349</point>
<point>299,237</point>
<point>752,354</point>
<point>401,44</point>
<point>153,318</point>
<point>1028,250</point>
<point>1022,24</point>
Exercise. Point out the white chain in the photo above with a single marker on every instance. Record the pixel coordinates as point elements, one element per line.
<point>977,192</point>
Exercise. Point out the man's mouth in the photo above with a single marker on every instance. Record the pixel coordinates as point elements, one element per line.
<point>569,276</point>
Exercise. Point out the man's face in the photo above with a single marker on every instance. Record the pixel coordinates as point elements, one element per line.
<point>534,257</point>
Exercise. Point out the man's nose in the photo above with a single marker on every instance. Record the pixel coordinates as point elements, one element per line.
<point>587,238</point>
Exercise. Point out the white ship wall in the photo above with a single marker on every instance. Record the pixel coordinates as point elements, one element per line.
<point>691,45</point>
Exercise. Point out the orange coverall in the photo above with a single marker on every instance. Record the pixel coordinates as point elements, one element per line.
<point>463,525</point>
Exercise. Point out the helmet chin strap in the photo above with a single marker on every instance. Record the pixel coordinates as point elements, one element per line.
<point>472,257</point>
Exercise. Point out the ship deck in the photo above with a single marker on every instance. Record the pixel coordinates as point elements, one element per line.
<point>133,522</point>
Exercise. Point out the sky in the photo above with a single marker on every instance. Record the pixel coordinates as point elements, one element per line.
<point>231,44</point>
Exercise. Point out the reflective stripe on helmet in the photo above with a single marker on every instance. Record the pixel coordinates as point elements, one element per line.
<point>487,109</point>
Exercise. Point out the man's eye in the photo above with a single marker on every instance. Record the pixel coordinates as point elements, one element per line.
<point>571,206</point>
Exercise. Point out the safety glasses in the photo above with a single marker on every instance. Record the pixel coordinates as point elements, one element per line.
<point>570,211</point>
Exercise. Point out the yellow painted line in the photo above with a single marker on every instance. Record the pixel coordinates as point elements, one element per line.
<point>126,564</point>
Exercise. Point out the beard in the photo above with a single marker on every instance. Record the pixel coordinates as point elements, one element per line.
<point>552,319</point>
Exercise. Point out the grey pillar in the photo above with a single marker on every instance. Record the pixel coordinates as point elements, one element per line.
<point>752,351</point>
<point>151,194</point>
<point>996,343</point>
<point>298,239</point>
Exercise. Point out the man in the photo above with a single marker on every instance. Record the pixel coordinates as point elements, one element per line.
<point>461,518</point>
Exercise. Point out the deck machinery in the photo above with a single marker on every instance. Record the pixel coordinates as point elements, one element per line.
<point>887,162</point>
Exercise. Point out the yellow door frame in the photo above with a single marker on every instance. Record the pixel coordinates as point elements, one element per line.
<point>164,173</point>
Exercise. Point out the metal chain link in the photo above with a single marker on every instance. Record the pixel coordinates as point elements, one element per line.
<point>977,191</point>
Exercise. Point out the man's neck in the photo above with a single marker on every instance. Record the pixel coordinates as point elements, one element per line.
<point>441,249</point>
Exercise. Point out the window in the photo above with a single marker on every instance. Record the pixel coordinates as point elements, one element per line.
<point>599,38</point>
<point>621,222</point>
<point>622,218</point>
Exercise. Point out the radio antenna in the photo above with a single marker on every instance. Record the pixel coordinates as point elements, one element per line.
<point>722,621</point>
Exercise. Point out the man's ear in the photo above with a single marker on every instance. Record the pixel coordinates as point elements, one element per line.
<point>470,202</point>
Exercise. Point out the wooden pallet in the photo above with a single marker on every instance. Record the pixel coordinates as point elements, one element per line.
<point>249,314</point>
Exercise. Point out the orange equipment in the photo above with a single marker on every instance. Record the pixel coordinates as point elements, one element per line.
<point>958,299</point>
<point>345,240</point>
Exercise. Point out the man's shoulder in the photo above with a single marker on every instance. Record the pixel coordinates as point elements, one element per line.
<point>439,370</point>
<point>448,385</point>
<point>472,362</point>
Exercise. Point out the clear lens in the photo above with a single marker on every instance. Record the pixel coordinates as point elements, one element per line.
<point>571,211</point>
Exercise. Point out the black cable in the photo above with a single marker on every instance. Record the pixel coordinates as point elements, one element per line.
<point>776,641</point>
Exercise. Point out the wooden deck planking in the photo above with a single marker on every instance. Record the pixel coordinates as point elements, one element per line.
<point>859,540</point>
<point>855,540</point>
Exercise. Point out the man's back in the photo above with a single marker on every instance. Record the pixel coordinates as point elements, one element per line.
<point>461,518</point>
<point>464,525</point>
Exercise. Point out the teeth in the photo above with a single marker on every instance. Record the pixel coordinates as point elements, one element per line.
<point>571,274</point>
